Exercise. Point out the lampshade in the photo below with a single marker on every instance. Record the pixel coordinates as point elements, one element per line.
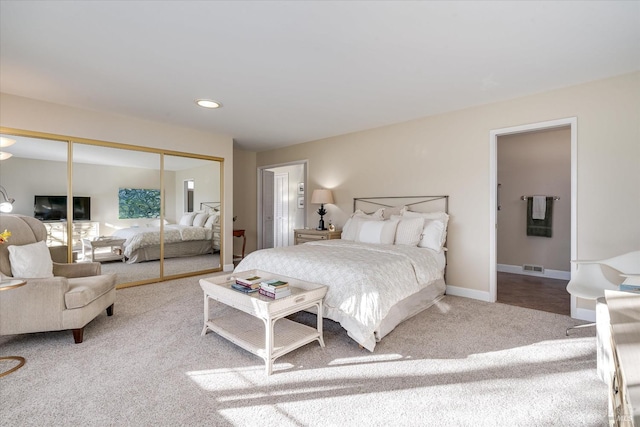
<point>321,197</point>
<point>6,202</point>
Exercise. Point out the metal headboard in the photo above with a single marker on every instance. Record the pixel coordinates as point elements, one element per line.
<point>214,206</point>
<point>403,200</point>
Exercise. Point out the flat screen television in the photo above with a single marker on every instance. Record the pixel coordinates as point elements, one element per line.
<point>54,208</point>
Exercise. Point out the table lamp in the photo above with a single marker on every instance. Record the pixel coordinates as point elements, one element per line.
<point>321,197</point>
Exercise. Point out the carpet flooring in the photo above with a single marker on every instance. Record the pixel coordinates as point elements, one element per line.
<point>461,363</point>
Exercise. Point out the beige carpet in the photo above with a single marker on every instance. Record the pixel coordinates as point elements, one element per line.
<point>463,362</point>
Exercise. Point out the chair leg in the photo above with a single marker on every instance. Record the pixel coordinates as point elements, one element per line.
<point>77,335</point>
<point>110,310</point>
<point>579,326</point>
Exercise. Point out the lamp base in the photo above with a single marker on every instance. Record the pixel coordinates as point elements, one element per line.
<point>321,212</point>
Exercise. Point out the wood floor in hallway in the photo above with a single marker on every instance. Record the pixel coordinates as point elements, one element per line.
<point>538,293</point>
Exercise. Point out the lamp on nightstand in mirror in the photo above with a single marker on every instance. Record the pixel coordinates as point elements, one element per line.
<point>321,197</point>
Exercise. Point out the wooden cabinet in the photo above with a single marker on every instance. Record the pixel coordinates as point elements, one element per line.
<point>304,235</point>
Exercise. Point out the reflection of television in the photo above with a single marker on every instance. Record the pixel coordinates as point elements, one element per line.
<point>54,208</point>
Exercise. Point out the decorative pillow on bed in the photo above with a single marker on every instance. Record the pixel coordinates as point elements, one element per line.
<point>389,212</point>
<point>200,219</point>
<point>381,232</point>
<point>409,231</point>
<point>351,228</point>
<point>187,219</point>
<point>213,219</point>
<point>31,261</point>
<point>434,232</point>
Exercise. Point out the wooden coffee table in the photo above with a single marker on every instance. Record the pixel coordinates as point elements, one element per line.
<point>256,322</point>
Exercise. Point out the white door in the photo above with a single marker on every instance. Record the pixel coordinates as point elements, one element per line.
<point>267,208</point>
<point>281,210</point>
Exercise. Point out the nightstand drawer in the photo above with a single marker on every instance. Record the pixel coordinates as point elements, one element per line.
<point>304,235</point>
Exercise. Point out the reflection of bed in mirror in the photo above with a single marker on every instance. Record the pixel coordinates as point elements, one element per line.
<point>197,233</point>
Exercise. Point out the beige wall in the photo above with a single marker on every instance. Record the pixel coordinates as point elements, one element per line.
<point>449,154</point>
<point>245,198</point>
<point>32,115</point>
<point>534,163</point>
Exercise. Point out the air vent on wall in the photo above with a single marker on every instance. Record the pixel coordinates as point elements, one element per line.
<point>534,268</point>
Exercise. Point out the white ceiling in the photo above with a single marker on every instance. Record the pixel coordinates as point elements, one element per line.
<point>290,72</point>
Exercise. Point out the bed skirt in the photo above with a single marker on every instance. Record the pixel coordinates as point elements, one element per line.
<point>171,250</point>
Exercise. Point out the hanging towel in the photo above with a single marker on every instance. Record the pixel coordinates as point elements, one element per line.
<point>540,227</point>
<point>539,207</point>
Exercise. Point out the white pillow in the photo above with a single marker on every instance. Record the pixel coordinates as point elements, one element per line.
<point>434,233</point>
<point>213,219</point>
<point>187,219</point>
<point>156,223</point>
<point>389,212</point>
<point>32,261</point>
<point>200,219</point>
<point>409,231</point>
<point>350,228</point>
<point>380,232</point>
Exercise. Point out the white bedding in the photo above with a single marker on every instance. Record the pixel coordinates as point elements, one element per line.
<point>142,237</point>
<point>365,280</point>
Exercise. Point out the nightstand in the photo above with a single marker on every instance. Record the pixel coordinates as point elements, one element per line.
<point>304,235</point>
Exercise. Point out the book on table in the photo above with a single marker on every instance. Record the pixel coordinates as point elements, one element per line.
<point>243,288</point>
<point>274,289</point>
<point>274,295</point>
<point>246,285</point>
<point>249,281</point>
<point>274,283</point>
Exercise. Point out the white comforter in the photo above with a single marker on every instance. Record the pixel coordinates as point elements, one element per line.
<point>364,280</point>
<point>147,236</point>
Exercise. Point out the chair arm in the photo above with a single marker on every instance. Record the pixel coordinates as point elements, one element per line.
<point>36,306</point>
<point>83,269</point>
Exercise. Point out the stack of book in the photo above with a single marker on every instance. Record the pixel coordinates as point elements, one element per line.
<point>247,285</point>
<point>274,288</point>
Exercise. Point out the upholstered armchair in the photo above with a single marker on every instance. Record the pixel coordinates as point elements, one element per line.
<point>66,296</point>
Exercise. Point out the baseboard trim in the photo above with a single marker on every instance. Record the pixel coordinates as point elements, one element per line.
<point>517,269</point>
<point>468,293</point>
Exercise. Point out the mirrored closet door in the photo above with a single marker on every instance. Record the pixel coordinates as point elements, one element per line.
<point>144,214</point>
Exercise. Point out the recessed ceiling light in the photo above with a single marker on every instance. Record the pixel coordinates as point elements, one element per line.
<point>4,155</point>
<point>208,103</point>
<point>5,142</point>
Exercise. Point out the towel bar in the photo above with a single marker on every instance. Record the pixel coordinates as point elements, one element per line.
<point>528,197</point>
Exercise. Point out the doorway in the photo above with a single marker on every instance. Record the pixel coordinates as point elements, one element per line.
<point>507,199</point>
<point>281,203</point>
<point>533,254</point>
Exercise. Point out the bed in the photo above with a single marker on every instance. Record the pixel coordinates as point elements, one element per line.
<point>196,233</point>
<point>388,266</point>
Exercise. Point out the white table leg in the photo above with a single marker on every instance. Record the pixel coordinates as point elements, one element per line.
<point>319,311</point>
<point>206,314</point>
<point>268,344</point>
